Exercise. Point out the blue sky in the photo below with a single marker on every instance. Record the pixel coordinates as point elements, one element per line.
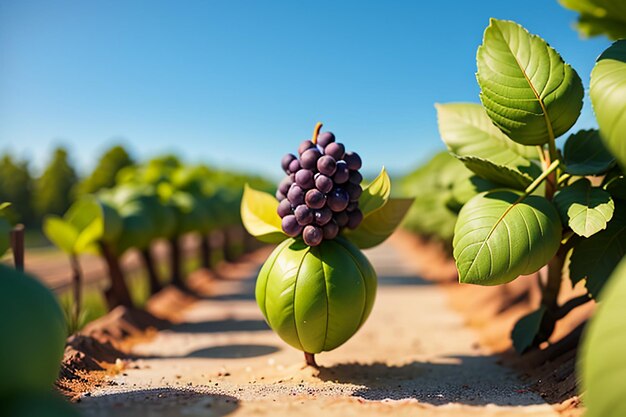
<point>240,83</point>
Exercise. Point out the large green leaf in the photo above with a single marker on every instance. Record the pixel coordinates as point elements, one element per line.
<point>376,194</point>
<point>380,224</point>
<point>526,88</point>
<point>594,259</point>
<point>501,174</point>
<point>526,329</point>
<point>499,235</point>
<point>61,233</point>
<point>608,96</point>
<point>259,215</point>
<point>603,362</point>
<point>599,17</point>
<point>585,154</point>
<point>468,131</point>
<point>586,209</point>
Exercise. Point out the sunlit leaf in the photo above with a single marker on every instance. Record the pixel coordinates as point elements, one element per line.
<point>376,194</point>
<point>61,233</point>
<point>380,224</point>
<point>501,174</point>
<point>599,17</point>
<point>259,216</point>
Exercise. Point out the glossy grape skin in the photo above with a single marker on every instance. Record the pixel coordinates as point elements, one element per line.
<point>309,158</point>
<point>353,160</point>
<point>354,219</point>
<point>353,205</point>
<point>304,215</point>
<point>338,199</point>
<point>330,230</point>
<point>294,166</point>
<point>354,191</point>
<point>355,177</point>
<point>304,179</point>
<point>327,165</point>
<point>323,183</point>
<point>315,199</point>
<point>284,208</point>
<point>304,145</point>
<point>323,216</point>
<point>342,174</point>
<point>295,195</point>
<point>312,235</point>
<point>287,159</point>
<point>284,185</point>
<point>336,150</point>
<point>325,138</point>
<point>341,218</point>
<point>290,226</point>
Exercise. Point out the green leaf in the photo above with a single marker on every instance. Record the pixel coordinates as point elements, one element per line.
<point>4,206</point>
<point>259,216</point>
<point>500,235</point>
<point>376,194</point>
<point>603,363</point>
<point>616,186</point>
<point>468,131</point>
<point>586,209</point>
<point>5,230</point>
<point>380,224</point>
<point>526,329</point>
<point>607,91</point>
<point>599,17</point>
<point>61,233</point>
<point>595,258</point>
<point>526,88</point>
<point>500,174</point>
<point>585,154</point>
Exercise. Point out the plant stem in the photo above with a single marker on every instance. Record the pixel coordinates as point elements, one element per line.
<point>310,359</point>
<point>572,304</point>
<point>205,251</point>
<point>545,174</point>
<point>316,132</point>
<point>76,289</point>
<point>117,294</point>
<point>17,246</point>
<point>175,263</point>
<point>153,276</point>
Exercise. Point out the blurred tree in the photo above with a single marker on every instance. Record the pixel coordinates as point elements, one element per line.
<point>16,186</point>
<point>103,176</point>
<point>54,189</point>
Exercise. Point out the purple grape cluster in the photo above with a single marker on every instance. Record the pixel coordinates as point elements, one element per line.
<point>320,194</point>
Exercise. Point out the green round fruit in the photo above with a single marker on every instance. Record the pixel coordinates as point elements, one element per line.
<point>33,332</point>
<point>316,298</point>
<point>40,404</point>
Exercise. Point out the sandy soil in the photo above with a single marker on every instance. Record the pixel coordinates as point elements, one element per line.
<point>414,356</point>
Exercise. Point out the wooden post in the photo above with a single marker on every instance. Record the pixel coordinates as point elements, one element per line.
<point>17,246</point>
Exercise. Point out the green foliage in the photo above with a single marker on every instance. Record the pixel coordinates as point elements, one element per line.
<point>105,172</point>
<point>376,194</point>
<point>585,154</point>
<point>54,189</point>
<point>599,17</point>
<point>258,212</point>
<point>378,225</point>
<point>500,235</point>
<point>5,229</point>
<point>526,328</point>
<point>37,404</point>
<point>607,91</point>
<point>33,330</point>
<point>16,186</point>
<point>526,88</point>
<point>603,362</point>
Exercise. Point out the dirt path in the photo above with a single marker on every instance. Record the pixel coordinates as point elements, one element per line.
<point>413,356</point>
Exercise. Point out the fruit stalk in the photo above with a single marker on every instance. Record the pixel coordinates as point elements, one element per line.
<point>310,359</point>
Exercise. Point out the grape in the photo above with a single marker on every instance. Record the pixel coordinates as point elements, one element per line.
<point>327,165</point>
<point>304,179</point>
<point>287,159</point>
<point>336,150</point>
<point>341,218</point>
<point>294,166</point>
<point>354,191</point>
<point>352,206</point>
<point>295,195</point>
<point>353,160</point>
<point>291,226</point>
<point>323,216</point>
<point>338,199</point>
<point>355,177</point>
<point>315,199</point>
<point>354,219</point>
<point>306,144</point>
<point>284,208</point>
<point>325,138</point>
<point>304,215</point>
<point>280,196</point>
<point>308,159</point>
<point>312,235</point>
<point>323,183</point>
<point>342,173</point>
<point>284,185</point>
<point>330,230</point>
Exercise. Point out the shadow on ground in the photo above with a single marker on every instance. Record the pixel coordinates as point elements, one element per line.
<point>470,380</point>
<point>220,326</point>
<point>233,351</point>
<point>164,402</point>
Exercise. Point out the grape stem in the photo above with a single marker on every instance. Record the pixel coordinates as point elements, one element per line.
<point>316,132</point>
<point>310,359</point>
